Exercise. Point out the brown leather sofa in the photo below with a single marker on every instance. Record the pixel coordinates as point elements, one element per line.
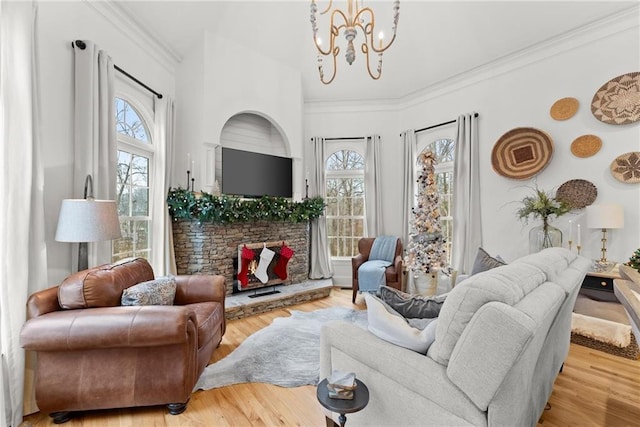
<point>393,273</point>
<point>96,354</point>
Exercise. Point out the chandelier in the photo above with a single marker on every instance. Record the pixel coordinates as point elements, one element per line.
<point>357,18</point>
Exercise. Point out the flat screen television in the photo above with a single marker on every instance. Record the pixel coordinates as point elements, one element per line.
<point>248,174</point>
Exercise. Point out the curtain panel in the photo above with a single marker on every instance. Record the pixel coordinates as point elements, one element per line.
<point>95,144</point>
<point>23,256</point>
<point>408,138</point>
<point>373,186</point>
<point>467,222</point>
<point>320,262</point>
<point>164,131</point>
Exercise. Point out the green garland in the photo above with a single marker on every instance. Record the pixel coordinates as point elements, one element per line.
<point>204,207</point>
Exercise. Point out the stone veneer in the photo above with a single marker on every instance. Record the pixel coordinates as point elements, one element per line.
<point>205,248</point>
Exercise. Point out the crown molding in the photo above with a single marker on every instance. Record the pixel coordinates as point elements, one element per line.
<point>580,36</point>
<point>138,34</point>
<point>590,32</point>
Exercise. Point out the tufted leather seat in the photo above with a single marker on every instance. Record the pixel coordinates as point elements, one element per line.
<point>93,353</point>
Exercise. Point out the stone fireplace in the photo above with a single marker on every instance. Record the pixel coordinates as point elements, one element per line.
<point>205,248</point>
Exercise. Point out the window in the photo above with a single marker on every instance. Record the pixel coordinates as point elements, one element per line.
<point>345,202</point>
<point>444,150</point>
<point>135,159</point>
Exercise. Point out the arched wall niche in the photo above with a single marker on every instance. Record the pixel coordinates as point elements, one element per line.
<point>251,131</point>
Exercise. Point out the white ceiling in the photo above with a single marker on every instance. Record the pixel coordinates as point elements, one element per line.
<point>435,41</point>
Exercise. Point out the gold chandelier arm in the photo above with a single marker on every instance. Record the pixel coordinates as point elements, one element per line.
<point>336,51</point>
<point>365,50</point>
<point>369,31</point>
<point>328,8</point>
<point>333,33</point>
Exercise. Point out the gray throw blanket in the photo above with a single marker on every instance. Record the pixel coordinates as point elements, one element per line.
<point>371,273</point>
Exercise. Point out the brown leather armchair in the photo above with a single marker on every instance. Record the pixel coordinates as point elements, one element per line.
<point>96,354</point>
<point>393,273</point>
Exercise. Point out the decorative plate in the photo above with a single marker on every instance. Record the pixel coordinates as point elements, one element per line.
<point>564,108</point>
<point>586,145</point>
<point>578,193</point>
<point>617,102</point>
<point>521,153</point>
<point>626,167</point>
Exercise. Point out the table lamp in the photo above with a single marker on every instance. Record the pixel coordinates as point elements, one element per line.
<point>605,217</point>
<point>87,220</point>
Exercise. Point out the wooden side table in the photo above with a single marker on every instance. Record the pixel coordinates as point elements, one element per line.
<point>599,285</point>
<point>343,406</point>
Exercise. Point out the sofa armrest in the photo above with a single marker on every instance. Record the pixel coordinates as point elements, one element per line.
<point>199,288</point>
<point>346,347</point>
<point>109,327</point>
<point>42,302</point>
<point>488,348</point>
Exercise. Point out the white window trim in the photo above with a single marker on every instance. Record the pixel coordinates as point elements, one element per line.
<point>358,147</point>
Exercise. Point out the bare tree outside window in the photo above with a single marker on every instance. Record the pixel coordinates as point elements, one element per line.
<point>345,202</point>
<point>133,184</point>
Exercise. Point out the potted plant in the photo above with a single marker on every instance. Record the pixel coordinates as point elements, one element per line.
<point>542,205</point>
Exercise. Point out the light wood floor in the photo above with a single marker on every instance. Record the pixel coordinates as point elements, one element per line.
<point>594,389</point>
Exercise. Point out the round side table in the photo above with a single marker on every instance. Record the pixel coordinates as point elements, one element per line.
<point>343,406</point>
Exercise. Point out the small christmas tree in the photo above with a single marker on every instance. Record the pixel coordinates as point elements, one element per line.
<point>426,249</point>
<point>634,261</point>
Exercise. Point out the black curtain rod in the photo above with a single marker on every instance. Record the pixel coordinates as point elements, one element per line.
<point>441,124</point>
<point>82,46</point>
<point>343,138</point>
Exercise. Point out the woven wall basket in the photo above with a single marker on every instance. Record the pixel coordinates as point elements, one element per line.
<point>586,145</point>
<point>578,193</point>
<point>564,108</point>
<point>626,167</point>
<point>521,153</point>
<point>617,102</point>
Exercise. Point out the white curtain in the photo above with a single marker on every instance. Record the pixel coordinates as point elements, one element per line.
<point>467,224</point>
<point>373,186</point>
<point>320,261</point>
<point>23,258</point>
<point>164,122</point>
<point>95,145</point>
<point>408,161</point>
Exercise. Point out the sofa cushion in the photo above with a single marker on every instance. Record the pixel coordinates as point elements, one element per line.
<point>507,284</point>
<point>159,291</point>
<point>412,306</point>
<point>102,286</point>
<point>484,262</point>
<point>393,328</point>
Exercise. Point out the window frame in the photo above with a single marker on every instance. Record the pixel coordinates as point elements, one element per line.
<point>358,147</point>
<point>139,148</point>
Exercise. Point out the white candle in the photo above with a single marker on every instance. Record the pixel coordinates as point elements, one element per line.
<point>570,231</point>
<point>578,235</point>
<point>189,161</point>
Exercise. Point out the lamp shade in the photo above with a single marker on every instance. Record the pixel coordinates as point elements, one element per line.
<point>88,220</point>
<point>605,216</point>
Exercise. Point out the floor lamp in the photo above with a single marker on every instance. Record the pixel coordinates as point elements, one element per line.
<point>87,220</point>
<point>604,217</point>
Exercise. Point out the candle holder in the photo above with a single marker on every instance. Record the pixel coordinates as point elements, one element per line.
<point>188,180</point>
<point>578,247</point>
<point>193,183</point>
<point>306,191</point>
<point>570,244</point>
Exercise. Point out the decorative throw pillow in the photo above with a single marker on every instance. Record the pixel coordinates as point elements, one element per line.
<point>412,306</point>
<point>484,262</point>
<point>393,328</point>
<point>160,291</point>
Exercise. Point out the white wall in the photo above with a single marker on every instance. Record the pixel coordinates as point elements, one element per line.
<point>236,80</point>
<point>518,91</point>
<point>58,23</point>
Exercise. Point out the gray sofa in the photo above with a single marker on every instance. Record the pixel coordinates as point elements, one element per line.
<point>501,339</point>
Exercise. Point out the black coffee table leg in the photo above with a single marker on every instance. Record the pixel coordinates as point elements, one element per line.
<point>343,419</point>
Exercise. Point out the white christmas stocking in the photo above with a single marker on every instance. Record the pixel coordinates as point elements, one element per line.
<point>265,259</point>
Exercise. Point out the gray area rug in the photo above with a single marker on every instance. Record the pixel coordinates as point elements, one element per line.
<point>285,353</point>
